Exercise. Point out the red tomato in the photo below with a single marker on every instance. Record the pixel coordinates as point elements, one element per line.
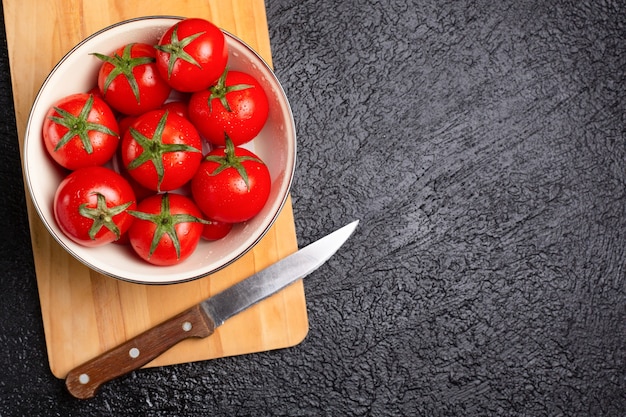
<point>167,228</point>
<point>235,105</point>
<point>80,130</point>
<point>161,150</point>
<point>192,54</point>
<point>140,191</point>
<point>232,184</point>
<point>129,80</point>
<point>91,206</point>
<point>216,230</point>
<point>124,123</point>
<point>96,92</point>
<point>179,107</point>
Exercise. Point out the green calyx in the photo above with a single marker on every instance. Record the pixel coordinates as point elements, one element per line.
<point>230,160</point>
<point>176,50</point>
<point>165,223</point>
<point>102,215</point>
<point>220,89</point>
<point>154,149</point>
<point>124,65</point>
<point>79,126</point>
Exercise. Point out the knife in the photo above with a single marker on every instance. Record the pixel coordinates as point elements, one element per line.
<point>201,320</point>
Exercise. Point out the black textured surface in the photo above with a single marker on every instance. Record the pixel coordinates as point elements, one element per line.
<point>482,144</point>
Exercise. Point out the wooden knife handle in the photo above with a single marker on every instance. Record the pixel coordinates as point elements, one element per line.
<point>84,380</point>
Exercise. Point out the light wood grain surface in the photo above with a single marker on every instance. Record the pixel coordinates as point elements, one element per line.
<point>85,313</point>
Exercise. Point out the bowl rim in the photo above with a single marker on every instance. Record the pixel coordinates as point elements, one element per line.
<point>282,199</point>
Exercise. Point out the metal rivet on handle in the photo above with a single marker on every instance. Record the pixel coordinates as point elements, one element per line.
<point>187,326</point>
<point>83,378</point>
<point>133,353</point>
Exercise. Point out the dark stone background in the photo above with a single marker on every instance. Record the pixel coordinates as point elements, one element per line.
<point>482,145</point>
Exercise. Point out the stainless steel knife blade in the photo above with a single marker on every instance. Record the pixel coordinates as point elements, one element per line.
<point>201,320</point>
<point>266,282</point>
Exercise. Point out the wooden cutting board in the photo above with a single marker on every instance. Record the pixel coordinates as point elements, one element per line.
<point>85,313</point>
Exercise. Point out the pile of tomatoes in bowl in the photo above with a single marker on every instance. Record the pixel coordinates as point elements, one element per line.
<point>154,157</point>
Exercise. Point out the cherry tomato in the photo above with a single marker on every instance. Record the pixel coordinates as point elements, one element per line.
<point>129,80</point>
<point>232,184</point>
<point>91,206</point>
<point>216,230</point>
<point>80,130</point>
<point>192,54</point>
<point>161,150</point>
<point>235,105</point>
<point>167,228</point>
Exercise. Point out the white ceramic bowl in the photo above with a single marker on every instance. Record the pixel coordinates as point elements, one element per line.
<point>275,145</point>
